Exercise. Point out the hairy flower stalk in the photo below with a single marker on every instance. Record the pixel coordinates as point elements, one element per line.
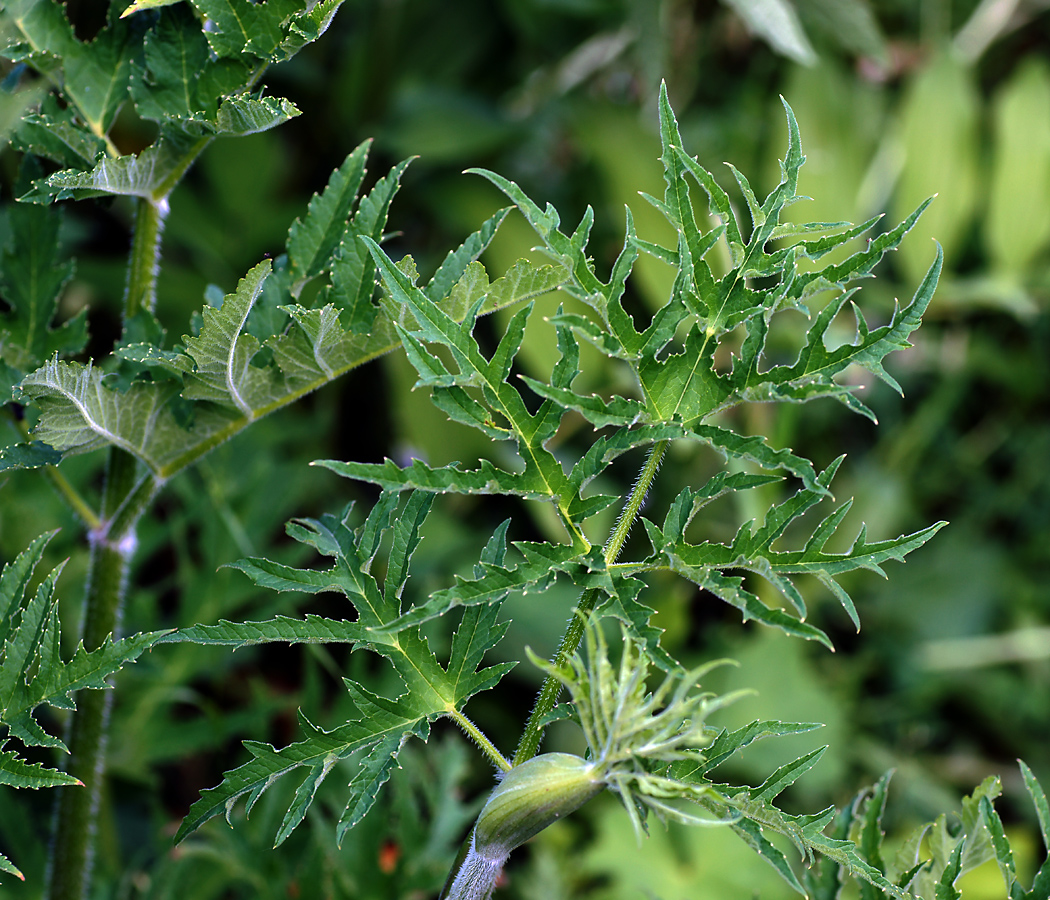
<point>632,738</point>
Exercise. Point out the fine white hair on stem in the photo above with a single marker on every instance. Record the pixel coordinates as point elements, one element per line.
<point>477,877</point>
<point>653,460</point>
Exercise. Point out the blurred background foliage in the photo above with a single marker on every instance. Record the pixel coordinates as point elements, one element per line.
<point>948,681</point>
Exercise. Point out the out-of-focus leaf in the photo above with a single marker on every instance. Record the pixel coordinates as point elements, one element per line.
<point>937,129</point>
<point>849,23</point>
<point>776,22</point>
<point>1017,226</point>
<point>32,277</point>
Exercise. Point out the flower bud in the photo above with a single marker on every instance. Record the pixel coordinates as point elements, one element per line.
<point>533,795</point>
<point>530,797</point>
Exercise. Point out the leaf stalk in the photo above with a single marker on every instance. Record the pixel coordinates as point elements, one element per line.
<point>481,739</point>
<point>529,744</point>
<point>66,490</point>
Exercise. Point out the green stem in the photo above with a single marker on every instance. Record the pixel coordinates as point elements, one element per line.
<point>634,502</point>
<point>76,811</point>
<point>112,536</point>
<point>125,516</point>
<point>72,496</point>
<point>548,695</point>
<point>141,290</point>
<point>479,737</point>
<point>66,490</point>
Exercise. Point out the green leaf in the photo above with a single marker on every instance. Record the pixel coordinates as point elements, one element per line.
<point>534,573</point>
<point>417,475</point>
<point>33,274</point>
<point>32,671</point>
<point>751,550</point>
<point>751,834</point>
<point>240,116</point>
<point>140,5</point>
<point>313,239</point>
<point>946,889</point>
<point>542,473</point>
<point>307,26</point>
<point>43,35</point>
<point>240,26</point>
<point>6,865</point>
<point>184,88</point>
<point>283,629</point>
<point>18,773</point>
<point>522,281</point>
<point>756,449</point>
<point>1004,854</point>
<point>729,743</point>
<point>1035,791</point>
<point>79,413</point>
<point>175,53</point>
<point>216,375</point>
<point>871,835</point>
<point>456,263</point>
<point>817,363</point>
<point>353,273</point>
<point>430,689</point>
<point>217,362</point>
<point>785,776</point>
<point>806,832</point>
<point>94,76</point>
<point>560,247</point>
<point>30,455</point>
<point>54,132</point>
<point>150,175</point>
<point>824,880</point>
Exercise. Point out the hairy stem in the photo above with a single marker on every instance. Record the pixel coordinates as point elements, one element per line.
<point>126,497</point>
<point>479,737</point>
<point>633,506</point>
<point>112,536</point>
<point>141,290</point>
<point>551,687</point>
<point>76,810</point>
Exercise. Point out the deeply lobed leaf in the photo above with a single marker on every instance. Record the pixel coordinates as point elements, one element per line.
<point>185,401</point>
<point>33,673</point>
<point>431,690</point>
<point>33,274</point>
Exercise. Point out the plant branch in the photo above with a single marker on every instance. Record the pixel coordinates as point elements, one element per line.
<point>141,290</point>
<point>72,496</point>
<point>125,517</point>
<point>570,642</point>
<point>634,502</point>
<point>112,537</point>
<point>479,737</point>
<point>76,811</point>
<point>66,490</point>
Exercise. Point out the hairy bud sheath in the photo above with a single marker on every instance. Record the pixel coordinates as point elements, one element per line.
<point>528,799</point>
